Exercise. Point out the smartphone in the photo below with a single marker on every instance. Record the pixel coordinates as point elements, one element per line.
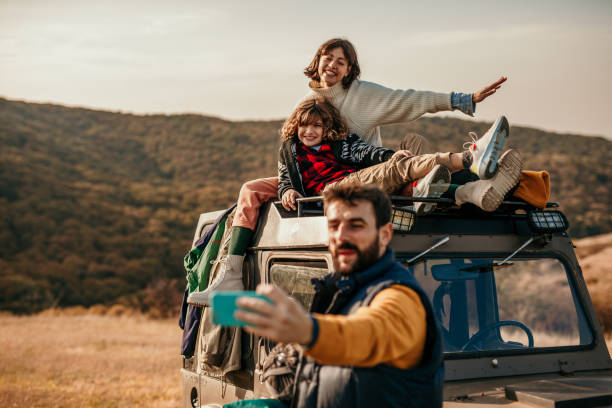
<point>223,305</point>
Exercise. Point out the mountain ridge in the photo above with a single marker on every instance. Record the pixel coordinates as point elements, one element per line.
<point>96,205</point>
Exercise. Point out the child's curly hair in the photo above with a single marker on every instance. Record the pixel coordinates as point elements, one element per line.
<point>334,127</point>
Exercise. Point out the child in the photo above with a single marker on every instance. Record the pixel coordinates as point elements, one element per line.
<point>317,151</point>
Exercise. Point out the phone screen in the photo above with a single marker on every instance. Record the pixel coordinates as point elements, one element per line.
<point>223,305</point>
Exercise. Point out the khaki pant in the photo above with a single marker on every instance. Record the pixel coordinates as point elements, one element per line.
<point>396,172</point>
<point>417,144</point>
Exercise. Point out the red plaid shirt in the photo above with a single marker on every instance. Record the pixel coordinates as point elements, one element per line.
<point>319,168</point>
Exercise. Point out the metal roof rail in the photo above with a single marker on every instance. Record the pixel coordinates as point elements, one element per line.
<point>313,206</point>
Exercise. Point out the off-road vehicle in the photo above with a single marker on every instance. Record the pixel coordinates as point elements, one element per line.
<point>518,326</point>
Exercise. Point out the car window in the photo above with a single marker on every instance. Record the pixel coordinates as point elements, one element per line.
<point>528,304</point>
<point>294,277</point>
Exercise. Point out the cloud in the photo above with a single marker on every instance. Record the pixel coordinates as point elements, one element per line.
<point>452,37</point>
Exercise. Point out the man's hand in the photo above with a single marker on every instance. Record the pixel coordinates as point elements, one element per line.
<point>284,321</point>
<point>488,90</point>
<point>289,198</point>
<point>400,153</point>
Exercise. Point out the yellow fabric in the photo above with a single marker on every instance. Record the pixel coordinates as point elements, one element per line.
<point>391,330</point>
<point>534,187</point>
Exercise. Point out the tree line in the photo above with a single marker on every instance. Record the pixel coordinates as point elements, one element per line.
<point>100,207</point>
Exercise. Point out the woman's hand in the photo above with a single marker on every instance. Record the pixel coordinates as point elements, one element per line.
<point>289,198</point>
<point>487,91</point>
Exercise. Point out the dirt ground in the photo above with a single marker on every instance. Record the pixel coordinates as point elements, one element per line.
<point>89,361</point>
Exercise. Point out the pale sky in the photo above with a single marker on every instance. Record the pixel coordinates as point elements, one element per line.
<point>244,60</point>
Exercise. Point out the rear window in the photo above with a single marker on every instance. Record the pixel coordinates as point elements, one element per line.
<point>295,276</point>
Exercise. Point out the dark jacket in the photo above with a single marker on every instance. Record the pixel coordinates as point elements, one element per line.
<point>323,386</point>
<point>190,316</point>
<point>351,150</point>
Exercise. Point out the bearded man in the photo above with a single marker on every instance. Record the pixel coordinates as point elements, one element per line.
<point>371,339</point>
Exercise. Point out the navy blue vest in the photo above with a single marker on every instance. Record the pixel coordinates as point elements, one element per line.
<point>382,385</point>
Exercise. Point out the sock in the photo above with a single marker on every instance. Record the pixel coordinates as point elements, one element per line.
<point>450,193</point>
<point>467,159</point>
<point>239,241</point>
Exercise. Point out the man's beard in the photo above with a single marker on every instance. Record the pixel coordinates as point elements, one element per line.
<point>365,259</point>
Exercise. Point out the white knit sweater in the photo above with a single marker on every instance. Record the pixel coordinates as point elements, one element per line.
<point>366,105</point>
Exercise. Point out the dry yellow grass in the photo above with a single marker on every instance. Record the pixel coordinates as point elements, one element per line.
<point>84,360</point>
<point>109,357</point>
<point>594,255</point>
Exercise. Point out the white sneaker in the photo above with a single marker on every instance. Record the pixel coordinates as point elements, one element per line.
<point>228,279</point>
<point>488,194</point>
<point>486,150</point>
<point>433,185</point>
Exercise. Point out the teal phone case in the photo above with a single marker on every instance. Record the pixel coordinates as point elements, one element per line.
<point>223,305</point>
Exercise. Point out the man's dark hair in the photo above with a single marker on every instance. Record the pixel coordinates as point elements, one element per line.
<point>349,193</point>
<point>312,70</point>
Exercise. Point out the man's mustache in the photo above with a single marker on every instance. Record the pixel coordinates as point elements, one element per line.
<point>348,245</point>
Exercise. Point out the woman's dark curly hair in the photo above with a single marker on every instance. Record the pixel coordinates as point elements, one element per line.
<point>334,127</point>
<point>312,70</point>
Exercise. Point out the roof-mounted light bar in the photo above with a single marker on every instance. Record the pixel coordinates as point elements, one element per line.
<point>403,218</point>
<point>547,221</point>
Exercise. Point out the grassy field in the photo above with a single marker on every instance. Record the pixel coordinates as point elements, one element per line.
<point>82,360</point>
<point>67,361</point>
<point>104,357</point>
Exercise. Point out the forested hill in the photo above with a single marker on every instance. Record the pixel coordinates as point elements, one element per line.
<point>98,206</point>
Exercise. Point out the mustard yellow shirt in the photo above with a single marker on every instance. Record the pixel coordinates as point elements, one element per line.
<point>391,330</point>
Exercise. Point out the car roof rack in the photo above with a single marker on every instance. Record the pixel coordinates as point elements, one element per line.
<point>313,206</point>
